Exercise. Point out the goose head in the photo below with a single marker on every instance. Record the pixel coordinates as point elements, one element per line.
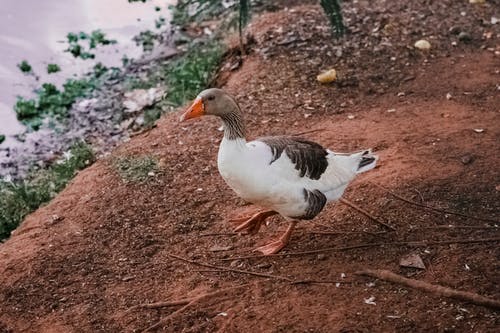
<point>214,102</point>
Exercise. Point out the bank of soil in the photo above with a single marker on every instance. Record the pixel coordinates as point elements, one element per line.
<point>103,246</point>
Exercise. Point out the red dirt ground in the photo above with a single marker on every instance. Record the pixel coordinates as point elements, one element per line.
<point>88,259</point>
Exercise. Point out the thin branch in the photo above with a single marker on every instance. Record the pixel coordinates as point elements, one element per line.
<point>187,303</point>
<point>320,232</point>
<point>323,282</point>
<point>431,288</point>
<point>368,245</point>
<point>159,305</point>
<point>443,211</point>
<point>307,281</point>
<point>478,227</point>
<point>221,268</point>
<point>218,234</point>
<point>308,132</point>
<point>365,213</point>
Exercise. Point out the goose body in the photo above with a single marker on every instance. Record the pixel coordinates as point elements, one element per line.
<point>289,176</point>
<point>251,170</point>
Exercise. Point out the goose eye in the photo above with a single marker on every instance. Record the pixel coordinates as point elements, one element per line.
<point>211,98</point>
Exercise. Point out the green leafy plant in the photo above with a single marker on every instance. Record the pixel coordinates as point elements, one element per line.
<point>95,38</point>
<point>334,13</point>
<point>199,10</point>
<point>146,39</point>
<point>53,68</point>
<point>2,138</point>
<point>188,75</point>
<point>25,67</point>
<point>19,198</point>
<point>159,22</point>
<point>51,101</point>
<point>25,108</point>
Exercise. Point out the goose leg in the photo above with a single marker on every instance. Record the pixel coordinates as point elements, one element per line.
<point>252,224</point>
<point>276,246</point>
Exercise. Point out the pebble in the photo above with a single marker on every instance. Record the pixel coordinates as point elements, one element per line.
<point>467,159</point>
<point>321,256</point>
<point>422,45</point>
<point>464,37</point>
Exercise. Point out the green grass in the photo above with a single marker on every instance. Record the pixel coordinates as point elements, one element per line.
<point>18,199</point>
<point>53,68</point>
<point>187,76</point>
<point>136,169</point>
<point>25,67</point>
<point>184,77</point>
<point>95,38</point>
<point>53,102</point>
<point>146,39</point>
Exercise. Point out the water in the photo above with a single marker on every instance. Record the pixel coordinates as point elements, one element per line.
<point>35,31</point>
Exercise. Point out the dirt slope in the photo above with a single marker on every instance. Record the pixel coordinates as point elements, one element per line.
<point>86,260</point>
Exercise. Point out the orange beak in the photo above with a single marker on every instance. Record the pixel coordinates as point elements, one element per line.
<point>197,109</point>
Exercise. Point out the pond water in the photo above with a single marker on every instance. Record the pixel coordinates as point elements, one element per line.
<point>35,31</point>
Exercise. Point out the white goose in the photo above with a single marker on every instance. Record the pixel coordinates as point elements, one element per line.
<point>285,175</point>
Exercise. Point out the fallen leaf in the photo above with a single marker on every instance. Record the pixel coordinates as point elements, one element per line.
<point>413,261</point>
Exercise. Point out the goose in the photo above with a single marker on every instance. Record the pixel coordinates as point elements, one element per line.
<point>285,175</point>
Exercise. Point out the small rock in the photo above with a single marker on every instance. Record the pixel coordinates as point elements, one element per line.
<point>264,265</point>
<point>464,37</point>
<point>455,30</point>
<point>479,130</point>
<point>467,159</point>
<point>422,45</point>
<point>351,117</point>
<point>321,256</point>
<point>412,261</point>
<point>370,300</point>
<point>391,110</point>
<point>328,76</point>
<point>477,1</point>
<point>448,96</point>
<point>127,278</point>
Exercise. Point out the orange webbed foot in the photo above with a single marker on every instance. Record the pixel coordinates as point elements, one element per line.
<point>278,245</point>
<point>251,225</point>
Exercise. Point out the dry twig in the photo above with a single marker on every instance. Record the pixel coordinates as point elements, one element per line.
<point>186,304</point>
<point>368,245</point>
<point>321,232</point>
<point>438,210</point>
<point>365,213</point>
<point>227,269</point>
<point>308,132</point>
<point>431,288</point>
<point>451,227</point>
